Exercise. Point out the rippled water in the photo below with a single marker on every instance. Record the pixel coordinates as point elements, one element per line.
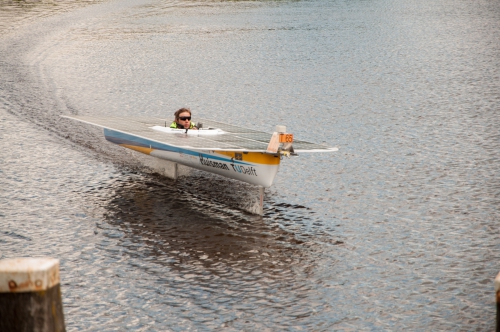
<point>396,231</point>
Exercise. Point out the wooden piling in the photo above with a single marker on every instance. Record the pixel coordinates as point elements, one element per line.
<point>30,295</point>
<point>497,294</point>
<point>497,287</point>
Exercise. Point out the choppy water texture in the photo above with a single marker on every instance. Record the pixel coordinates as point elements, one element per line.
<point>396,231</point>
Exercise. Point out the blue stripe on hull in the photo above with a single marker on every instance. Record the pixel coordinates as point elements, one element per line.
<point>120,138</point>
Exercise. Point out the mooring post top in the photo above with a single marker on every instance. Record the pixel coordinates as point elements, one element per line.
<point>28,274</point>
<point>497,288</point>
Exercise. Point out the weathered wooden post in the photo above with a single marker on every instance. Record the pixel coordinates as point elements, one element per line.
<point>497,293</point>
<point>30,295</point>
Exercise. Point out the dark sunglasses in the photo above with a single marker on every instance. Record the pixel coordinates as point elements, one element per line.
<point>184,118</point>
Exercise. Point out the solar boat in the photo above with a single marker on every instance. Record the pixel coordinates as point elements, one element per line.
<point>231,151</point>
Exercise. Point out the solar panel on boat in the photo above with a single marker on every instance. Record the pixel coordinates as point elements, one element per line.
<point>236,138</point>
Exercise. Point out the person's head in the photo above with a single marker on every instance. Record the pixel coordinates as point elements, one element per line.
<point>183,117</point>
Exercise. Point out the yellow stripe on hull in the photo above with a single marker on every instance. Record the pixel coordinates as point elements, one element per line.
<point>137,148</point>
<point>252,157</point>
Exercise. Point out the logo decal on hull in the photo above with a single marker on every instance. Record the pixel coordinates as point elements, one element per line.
<point>211,163</point>
<point>237,168</point>
<point>244,170</point>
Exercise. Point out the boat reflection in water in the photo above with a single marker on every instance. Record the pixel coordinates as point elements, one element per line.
<point>158,221</point>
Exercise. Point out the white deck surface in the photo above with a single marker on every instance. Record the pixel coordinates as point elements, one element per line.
<point>235,138</point>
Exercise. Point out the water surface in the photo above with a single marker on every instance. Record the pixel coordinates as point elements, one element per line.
<point>396,231</point>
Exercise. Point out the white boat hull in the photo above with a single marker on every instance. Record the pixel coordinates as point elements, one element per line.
<point>256,168</point>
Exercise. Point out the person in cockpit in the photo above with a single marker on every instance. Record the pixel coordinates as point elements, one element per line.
<point>183,120</point>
